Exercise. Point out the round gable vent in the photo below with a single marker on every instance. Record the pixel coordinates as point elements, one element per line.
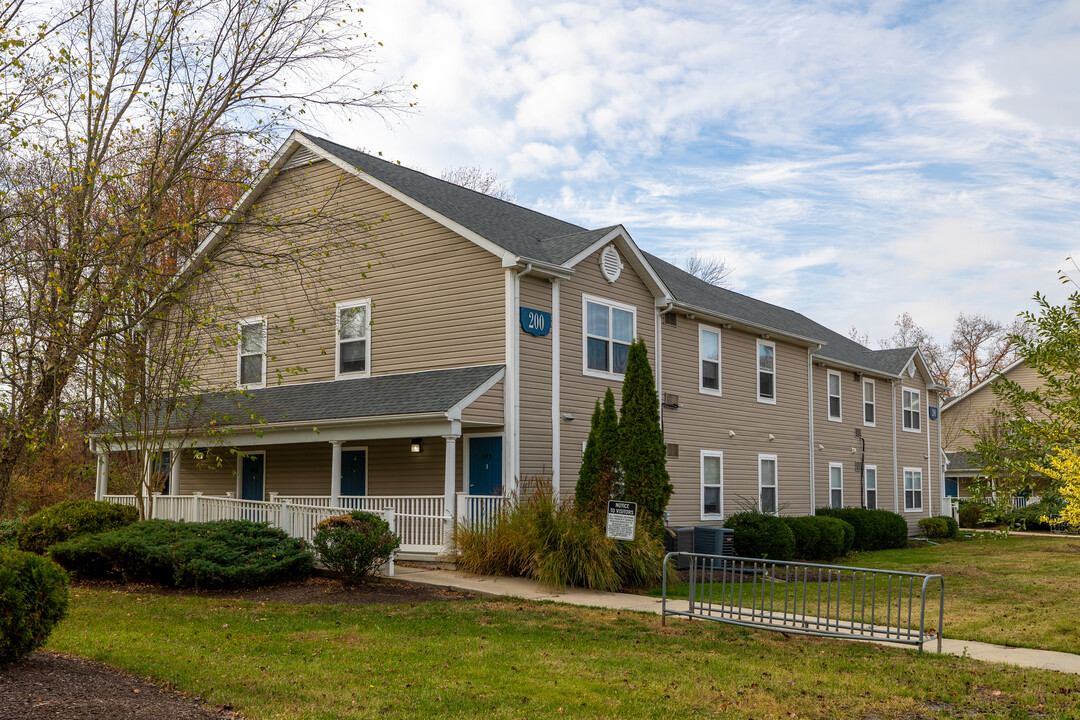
<point>610,263</point>
<point>911,370</point>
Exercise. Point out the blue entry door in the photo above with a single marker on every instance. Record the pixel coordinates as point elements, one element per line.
<point>251,477</point>
<point>485,466</point>
<point>354,472</point>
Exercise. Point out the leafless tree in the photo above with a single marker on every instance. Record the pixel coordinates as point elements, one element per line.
<point>713,270</point>
<point>477,178</point>
<point>983,346</point>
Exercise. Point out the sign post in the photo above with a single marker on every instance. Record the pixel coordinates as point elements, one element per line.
<point>621,519</point>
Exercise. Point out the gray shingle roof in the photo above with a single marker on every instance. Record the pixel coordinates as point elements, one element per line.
<point>961,462</point>
<point>690,290</point>
<point>404,394</point>
<point>517,229</point>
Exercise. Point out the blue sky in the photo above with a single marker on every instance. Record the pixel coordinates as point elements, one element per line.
<point>852,160</point>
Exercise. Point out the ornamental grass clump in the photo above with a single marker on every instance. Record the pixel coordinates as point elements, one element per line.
<point>356,545</point>
<point>72,519</point>
<point>226,554</point>
<point>33,599</point>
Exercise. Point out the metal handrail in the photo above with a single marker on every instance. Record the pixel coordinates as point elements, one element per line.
<point>770,581</point>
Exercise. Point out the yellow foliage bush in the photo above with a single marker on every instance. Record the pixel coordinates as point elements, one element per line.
<point>1065,468</point>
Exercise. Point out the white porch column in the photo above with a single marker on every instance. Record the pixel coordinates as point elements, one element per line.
<point>335,475</point>
<point>102,487</point>
<point>174,472</point>
<point>449,477</point>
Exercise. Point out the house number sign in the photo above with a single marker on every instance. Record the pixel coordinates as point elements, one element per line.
<point>535,322</point>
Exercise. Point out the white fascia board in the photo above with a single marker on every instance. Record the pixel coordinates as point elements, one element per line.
<point>743,325</point>
<point>536,267</point>
<point>924,368</point>
<point>621,237</point>
<point>454,413</point>
<point>829,362</point>
<point>994,376</point>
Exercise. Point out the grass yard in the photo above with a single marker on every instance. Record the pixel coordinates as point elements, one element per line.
<point>509,659</point>
<point>1019,591</point>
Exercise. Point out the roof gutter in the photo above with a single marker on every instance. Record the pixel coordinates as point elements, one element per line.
<point>743,324</point>
<point>526,266</point>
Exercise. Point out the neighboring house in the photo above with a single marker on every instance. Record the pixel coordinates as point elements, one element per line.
<point>471,356</point>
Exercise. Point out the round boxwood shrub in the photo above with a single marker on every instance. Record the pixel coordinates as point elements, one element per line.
<point>225,554</point>
<point>33,598</point>
<point>820,539</point>
<point>941,526</point>
<point>761,536</point>
<point>355,545</point>
<point>72,519</point>
<point>873,529</point>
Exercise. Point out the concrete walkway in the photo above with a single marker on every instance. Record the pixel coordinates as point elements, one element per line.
<point>529,590</point>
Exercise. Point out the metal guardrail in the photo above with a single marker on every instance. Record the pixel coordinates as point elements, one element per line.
<point>809,599</point>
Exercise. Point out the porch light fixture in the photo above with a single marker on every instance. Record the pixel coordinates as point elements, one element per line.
<point>417,445</point>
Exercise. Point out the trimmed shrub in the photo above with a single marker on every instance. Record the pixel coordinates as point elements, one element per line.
<point>72,519</point>
<point>557,545</point>
<point>355,545</point>
<point>970,515</point>
<point>33,598</point>
<point>820,539</point>
<point>873,529</point>
<point>9,533</point>
<point>758,535</point>
<point>941,526</point>
<point>226,554</point>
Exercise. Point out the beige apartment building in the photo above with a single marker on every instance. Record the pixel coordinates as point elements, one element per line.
<point>450,346</point>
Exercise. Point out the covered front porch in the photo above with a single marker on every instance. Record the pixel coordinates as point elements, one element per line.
<point>442,463</point>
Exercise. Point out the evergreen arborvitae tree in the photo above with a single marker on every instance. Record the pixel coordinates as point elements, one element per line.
<point>642,453</point>
<point>599,463</point>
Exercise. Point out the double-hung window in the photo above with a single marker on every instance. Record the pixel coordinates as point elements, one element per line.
<point>836,485</point>
<point>912,417</point>
<point>712,484</point>
<point>766,371</point>
<point>709,355</point>
<point>913,489</point>
<point>870,481</point>
<point>869,403</point>
<point>353,339</point>
<point>609,331</point>
<point>767,490</point>
<point>251,353</point>
<point>834,396</point>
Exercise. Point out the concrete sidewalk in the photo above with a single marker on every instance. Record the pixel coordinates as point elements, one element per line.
<point>529,590</point>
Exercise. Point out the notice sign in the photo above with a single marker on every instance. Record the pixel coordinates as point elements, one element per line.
<point>621,519</point>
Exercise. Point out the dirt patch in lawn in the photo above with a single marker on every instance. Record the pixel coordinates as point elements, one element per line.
<point>316,590</point>
<point>57,686</point>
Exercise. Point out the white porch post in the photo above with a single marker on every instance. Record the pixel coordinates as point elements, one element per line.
<point>174,472</point>
<point>102,487</point>
<point>450,480</point>
<point>335,475</point>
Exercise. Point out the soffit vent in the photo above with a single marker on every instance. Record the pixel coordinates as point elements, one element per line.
<point>610,263</point>
<point>302,156</point>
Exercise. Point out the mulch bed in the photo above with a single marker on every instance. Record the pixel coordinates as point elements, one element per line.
<point>48,684</point>
<point>53,685</point>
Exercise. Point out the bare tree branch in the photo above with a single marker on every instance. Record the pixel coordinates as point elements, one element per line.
<point>713,270</point>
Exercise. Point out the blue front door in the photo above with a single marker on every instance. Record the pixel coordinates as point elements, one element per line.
<point>251,477</point>
<point>354,472</point>
<point>485,466</point>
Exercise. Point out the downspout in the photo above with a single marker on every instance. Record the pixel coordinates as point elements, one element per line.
<point>810,407</point>
<point>515,466</point>
<point>556,391</point>
<point>942,465</point>
<point>659,331</point>
<point>929,463</point>
<point>895,479</point>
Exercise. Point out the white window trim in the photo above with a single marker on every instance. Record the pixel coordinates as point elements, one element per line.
<point>585,369</point>
<point>917,394</point>
<point>716,454</point>
<point>866,489</point>
<point>338,375</point>
<point>840,467</point>
<point>260,320</point>
<point>757,373</point>
<point>873,384</point>
<point>719,362</point>
<point>240,455</point>
<point>839,395</point>
<point>776,480</point>
<point>918,470</point>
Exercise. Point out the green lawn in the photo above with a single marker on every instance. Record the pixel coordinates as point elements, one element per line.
<point>1019,591</point>
<point>509,659</point>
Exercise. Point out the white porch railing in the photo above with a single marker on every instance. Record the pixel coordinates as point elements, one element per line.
<point>420,519</point>
<point>120,499</point>
<point>479,511</point>
<point>1019,501</point>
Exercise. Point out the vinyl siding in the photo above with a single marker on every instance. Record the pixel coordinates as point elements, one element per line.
<point>579,392</point>
<point>486,409</point>
<point>973,412</point>
<point>437,298</point>
<point>535,384</point>
<point>705,422</point>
